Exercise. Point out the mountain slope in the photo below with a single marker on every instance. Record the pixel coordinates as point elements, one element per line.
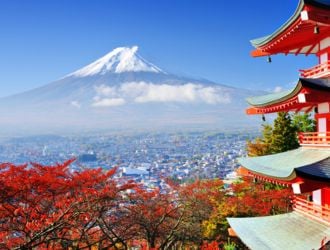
<point>124,91</point>
<point>118,61</point>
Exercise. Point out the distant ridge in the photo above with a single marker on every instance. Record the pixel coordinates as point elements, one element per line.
<point>122,90</point>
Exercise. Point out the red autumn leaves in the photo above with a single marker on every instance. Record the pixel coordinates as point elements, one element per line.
<point>50,207</point>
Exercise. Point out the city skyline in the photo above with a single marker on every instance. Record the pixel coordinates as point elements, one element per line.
<point>43,41</point>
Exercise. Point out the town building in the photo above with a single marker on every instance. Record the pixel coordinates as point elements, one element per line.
<point>306,169</point>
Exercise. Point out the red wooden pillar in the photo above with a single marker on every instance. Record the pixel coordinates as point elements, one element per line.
<point>325,197</point>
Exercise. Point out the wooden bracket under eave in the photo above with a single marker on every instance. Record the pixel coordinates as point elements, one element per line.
<point>259,53</point>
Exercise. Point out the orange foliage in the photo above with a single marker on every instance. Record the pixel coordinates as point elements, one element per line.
<point>50,207</point>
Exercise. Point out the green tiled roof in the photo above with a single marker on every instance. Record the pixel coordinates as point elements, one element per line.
<point>264,100</point>
<point>270,98</point>
<point>292,231</point>
<point>283,165</point>
<point>264,40</point>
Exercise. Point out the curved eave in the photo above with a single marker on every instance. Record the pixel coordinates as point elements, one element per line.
<point>285,166</point>
<point>286,231</point>
<point>274,98</point>
<point>297,36</point>
<point>312,91</point>
<point>258,42</point>
<point>276,179</point>
<point>300,40</point>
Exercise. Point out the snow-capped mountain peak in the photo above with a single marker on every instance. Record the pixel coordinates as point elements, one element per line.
<point>119,60</point>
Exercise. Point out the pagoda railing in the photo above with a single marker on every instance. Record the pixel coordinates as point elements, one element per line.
<point>314,211</point>
<point>320,70</point>
<point>314,138</point>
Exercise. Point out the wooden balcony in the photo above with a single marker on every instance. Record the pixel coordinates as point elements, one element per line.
<point>315,212</point>
<point>319,139</point>
<point>318,71</point>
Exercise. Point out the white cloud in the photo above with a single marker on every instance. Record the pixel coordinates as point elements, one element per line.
<point>288,86</point>
<point>108,102</point>
<point>104,90</point>
<point>76,104</point>
<point>211,96</point>
<point>293,83</point>
<point>143,92</point>
<point>176,93</point>
<point>277,89</point>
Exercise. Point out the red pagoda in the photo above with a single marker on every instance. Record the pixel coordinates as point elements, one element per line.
<point>306,169</point>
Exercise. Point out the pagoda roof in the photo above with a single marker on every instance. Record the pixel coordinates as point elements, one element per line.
<point>295,35</point>
<point>286,166</point>
<point>286,231</point>
<point>264,100</point>
<point>314,91</point>
<point>319,170</point>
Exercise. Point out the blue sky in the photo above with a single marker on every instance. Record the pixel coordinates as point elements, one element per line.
<point>42,41</point>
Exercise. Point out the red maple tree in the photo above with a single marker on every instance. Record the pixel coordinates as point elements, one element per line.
<point>51,207</point>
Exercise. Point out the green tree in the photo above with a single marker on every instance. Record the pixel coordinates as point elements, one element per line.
<point>284,134</point>
<point>261,145</point>
<point>280,137</point>
<point>303,122</point>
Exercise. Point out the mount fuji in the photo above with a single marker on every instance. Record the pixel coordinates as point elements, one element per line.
<point>122,90</point>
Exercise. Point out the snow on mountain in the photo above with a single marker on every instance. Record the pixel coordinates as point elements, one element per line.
<point>122,90</point>
<point>119,60</point>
